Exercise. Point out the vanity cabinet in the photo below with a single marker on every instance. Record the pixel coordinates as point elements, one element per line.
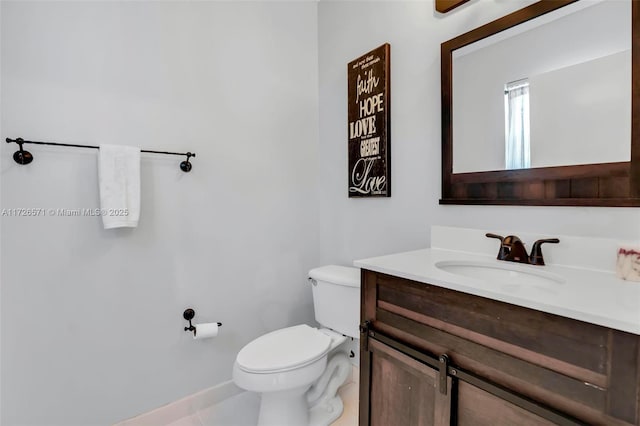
<point>434,356</point>
<point>403,390</point>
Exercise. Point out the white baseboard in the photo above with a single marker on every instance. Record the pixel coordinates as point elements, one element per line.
<point>184,407</point>
<point>190,405</point>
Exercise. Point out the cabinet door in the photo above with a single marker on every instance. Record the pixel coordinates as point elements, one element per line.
<point>476,407</point>
<point>403,391</point>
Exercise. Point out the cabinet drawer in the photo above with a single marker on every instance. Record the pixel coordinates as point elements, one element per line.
<point>476,407</point>
<point>575,343</point>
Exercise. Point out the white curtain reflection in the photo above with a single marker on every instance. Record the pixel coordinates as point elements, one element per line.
<point>517,148</point>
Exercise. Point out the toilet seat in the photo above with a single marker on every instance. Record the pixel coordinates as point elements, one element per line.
<point>285,349</point>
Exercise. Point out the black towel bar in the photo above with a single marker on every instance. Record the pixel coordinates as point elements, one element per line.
<point>24,157</point>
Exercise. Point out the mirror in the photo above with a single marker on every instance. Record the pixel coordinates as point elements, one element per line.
<point>537,107</point>
<point>551,92</point>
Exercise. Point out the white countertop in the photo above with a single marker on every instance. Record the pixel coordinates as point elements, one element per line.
<point>593,296</point>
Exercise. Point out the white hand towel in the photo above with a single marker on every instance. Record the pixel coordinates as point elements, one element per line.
<point>119,176</point>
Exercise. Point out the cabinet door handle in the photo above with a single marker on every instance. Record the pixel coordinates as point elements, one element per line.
<point>443,360</point>
<point>364,334</point>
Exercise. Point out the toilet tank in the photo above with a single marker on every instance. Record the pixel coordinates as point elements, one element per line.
<point>336,298</point>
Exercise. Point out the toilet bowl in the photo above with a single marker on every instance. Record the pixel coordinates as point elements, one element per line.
<point>298,369</point>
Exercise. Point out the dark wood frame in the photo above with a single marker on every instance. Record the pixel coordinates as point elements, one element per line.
<point>444,6</point>
<point>603,184</point>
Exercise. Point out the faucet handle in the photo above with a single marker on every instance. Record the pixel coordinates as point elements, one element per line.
<point>504,251</point>
<point>490,235</point>
<point>536,251</point>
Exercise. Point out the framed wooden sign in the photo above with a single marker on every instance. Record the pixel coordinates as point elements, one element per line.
<point>369,124</point>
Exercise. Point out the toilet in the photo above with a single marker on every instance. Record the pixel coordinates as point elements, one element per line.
<point>298,370</point>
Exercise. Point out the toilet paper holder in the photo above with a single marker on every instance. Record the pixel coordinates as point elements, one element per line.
<point>188,314</point>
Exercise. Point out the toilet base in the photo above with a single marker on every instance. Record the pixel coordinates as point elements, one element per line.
<point>327,412</point>
<point>326,405</point>
<point>317,405</point>
<point>285,408</point>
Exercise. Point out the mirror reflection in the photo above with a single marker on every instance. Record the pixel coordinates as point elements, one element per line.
<point>553,91</point>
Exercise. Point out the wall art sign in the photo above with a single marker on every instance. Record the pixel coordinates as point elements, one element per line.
<point>369,124</point>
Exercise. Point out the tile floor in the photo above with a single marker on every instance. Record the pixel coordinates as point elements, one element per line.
<point>349,394</point>
<point>236,407</point>
<point>239,410</point>
<point>242,410</point>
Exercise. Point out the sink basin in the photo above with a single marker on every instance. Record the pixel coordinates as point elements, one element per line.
<point>511,274</point>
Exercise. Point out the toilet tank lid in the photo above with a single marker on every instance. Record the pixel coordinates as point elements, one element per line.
<point>342,275</point>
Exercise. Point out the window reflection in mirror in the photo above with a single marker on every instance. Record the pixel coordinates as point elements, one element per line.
<point>517,151</point>
<point>577,61</point>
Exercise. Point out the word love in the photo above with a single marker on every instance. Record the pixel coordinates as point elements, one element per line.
<point>363,127</point>
<point>362,180</point>
<point>366,85</point>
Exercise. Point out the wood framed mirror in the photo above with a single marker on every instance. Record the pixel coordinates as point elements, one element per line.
<point>563,175</point>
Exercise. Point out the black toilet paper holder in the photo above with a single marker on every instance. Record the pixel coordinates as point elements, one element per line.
<point>188,314</point>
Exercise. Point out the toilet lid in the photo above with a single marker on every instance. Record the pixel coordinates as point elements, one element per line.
<point>284,349</point>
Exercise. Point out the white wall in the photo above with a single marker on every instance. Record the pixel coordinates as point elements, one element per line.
<point>92,319</point>
<point>351,229</point>
<point>1,269</point>
<point>591,121</point>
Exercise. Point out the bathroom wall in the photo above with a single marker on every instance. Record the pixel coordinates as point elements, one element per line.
<point>92,319</point>
<point>358,228</point>
<point>1,269</point>
<point>91,327</point>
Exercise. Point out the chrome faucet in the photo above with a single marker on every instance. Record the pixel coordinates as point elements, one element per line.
<point>512,249</point>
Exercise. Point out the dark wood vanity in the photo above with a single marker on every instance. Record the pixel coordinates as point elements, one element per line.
<point>434,356</point>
